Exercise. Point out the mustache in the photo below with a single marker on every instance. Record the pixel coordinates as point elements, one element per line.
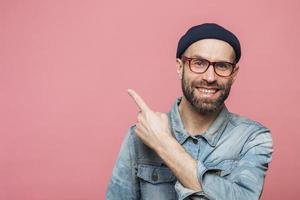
<point>203,83</point>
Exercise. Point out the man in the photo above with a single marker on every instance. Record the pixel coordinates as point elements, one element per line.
<point>199,150</point>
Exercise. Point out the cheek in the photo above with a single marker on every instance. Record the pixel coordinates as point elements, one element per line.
<point>192,79</point>
<point>227,84</point>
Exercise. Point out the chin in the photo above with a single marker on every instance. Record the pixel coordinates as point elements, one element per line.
<point>206,108</point>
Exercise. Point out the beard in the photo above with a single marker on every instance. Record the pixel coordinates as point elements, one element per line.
<point>203,105</point>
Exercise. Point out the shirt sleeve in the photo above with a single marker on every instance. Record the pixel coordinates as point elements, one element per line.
<point>246,179</point>
<point>123,182</point>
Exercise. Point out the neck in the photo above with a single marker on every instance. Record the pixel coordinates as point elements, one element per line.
<point>194,122</point>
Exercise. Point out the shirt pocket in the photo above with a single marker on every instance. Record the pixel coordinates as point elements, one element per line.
<point>156,182</point>
<point>223,168</point>
<point>155,174</point>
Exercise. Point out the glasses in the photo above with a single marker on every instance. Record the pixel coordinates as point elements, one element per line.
<point>200,66</point>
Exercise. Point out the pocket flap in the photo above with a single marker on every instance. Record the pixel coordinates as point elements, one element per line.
<point>155,174</point>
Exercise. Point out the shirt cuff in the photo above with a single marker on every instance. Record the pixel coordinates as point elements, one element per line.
<point>184,192</point>
<point>201,170</point>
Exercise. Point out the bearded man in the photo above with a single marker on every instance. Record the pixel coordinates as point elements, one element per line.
<point>199,150</point>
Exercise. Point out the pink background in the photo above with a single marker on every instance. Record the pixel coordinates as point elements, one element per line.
<point>65,67</point>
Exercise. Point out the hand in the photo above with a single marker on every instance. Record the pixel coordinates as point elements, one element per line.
<point>152,127</point>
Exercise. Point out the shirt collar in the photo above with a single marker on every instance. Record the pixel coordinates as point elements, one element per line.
<point>213,133</point>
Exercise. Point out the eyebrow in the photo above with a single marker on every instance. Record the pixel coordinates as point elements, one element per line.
<point>200,57</point>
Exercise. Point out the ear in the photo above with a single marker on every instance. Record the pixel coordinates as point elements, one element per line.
<point>234,75</point>
<point>179,66</point>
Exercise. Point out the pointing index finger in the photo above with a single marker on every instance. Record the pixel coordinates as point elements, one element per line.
<point>138,100</point>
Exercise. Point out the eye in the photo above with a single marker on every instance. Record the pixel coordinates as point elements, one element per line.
<point>200,62</point>
<point>223,66</point>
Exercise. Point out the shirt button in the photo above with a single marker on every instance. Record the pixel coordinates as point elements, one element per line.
<point>154,176</point>
<point>195,141</point>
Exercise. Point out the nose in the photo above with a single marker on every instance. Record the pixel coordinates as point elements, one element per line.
<point>209,75</point>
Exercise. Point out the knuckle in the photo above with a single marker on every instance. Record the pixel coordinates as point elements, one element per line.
<point>138,127</point>
<point>140,117</point>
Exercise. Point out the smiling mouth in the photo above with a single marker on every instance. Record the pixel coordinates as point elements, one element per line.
<point>207,91</point>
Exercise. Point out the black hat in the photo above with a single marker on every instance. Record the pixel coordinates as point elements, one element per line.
<point>208,31</point>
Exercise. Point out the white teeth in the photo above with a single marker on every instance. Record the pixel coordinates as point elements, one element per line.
<point>208,91</point>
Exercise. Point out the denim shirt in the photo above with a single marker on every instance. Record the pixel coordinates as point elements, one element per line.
<point>232,159</point>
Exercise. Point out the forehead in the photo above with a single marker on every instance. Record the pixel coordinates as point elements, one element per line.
<point>211,49</point>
